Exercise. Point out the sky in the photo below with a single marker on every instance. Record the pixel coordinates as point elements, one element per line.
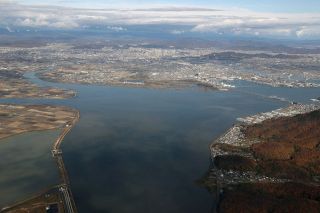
<point>293,6</point>
<point>255,18</point>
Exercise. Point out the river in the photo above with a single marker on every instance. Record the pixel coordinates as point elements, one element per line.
<point>143,150</point>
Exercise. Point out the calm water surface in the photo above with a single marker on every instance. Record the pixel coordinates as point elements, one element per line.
<point>26,165</point>
<point>142,150</point>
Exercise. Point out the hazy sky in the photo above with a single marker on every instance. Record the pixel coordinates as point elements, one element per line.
<point>297,6</point>
<point>258,18</point>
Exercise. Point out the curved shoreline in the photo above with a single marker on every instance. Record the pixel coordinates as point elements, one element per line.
<point>66,130</point>
<point>63,188</point>
<point>242,162</point>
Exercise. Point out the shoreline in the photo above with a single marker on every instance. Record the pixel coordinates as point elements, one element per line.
<point>241,162</point>
<point>66,130</point>
<point>63,188</point>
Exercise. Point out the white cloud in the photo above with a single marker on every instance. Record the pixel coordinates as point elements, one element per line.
<point>280,25</point>
<point>233,21</point>
<point>5,1</point>
<point>308,32</point>
<point>177,32</point>
<point>9,30</point>
<point>116,28</point>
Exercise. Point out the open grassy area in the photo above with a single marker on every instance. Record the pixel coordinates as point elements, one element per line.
<point>17,119</point>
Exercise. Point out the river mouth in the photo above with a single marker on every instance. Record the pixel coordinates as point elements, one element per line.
<point>143,150</point>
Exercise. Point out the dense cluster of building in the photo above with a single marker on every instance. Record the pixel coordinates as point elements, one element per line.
<point>292,110</point>
<point>235,136</point>
<point>232,144</point>
<point>141,65</point>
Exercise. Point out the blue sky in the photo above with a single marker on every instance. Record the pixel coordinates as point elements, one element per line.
<point>294,6</point>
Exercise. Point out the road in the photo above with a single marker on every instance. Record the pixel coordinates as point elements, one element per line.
<point>57,155</point>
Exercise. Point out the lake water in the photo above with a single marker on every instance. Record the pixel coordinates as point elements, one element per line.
<point>142,150</point>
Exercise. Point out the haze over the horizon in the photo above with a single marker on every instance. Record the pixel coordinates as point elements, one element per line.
<point>296,6</point>
<point>265,18</point>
